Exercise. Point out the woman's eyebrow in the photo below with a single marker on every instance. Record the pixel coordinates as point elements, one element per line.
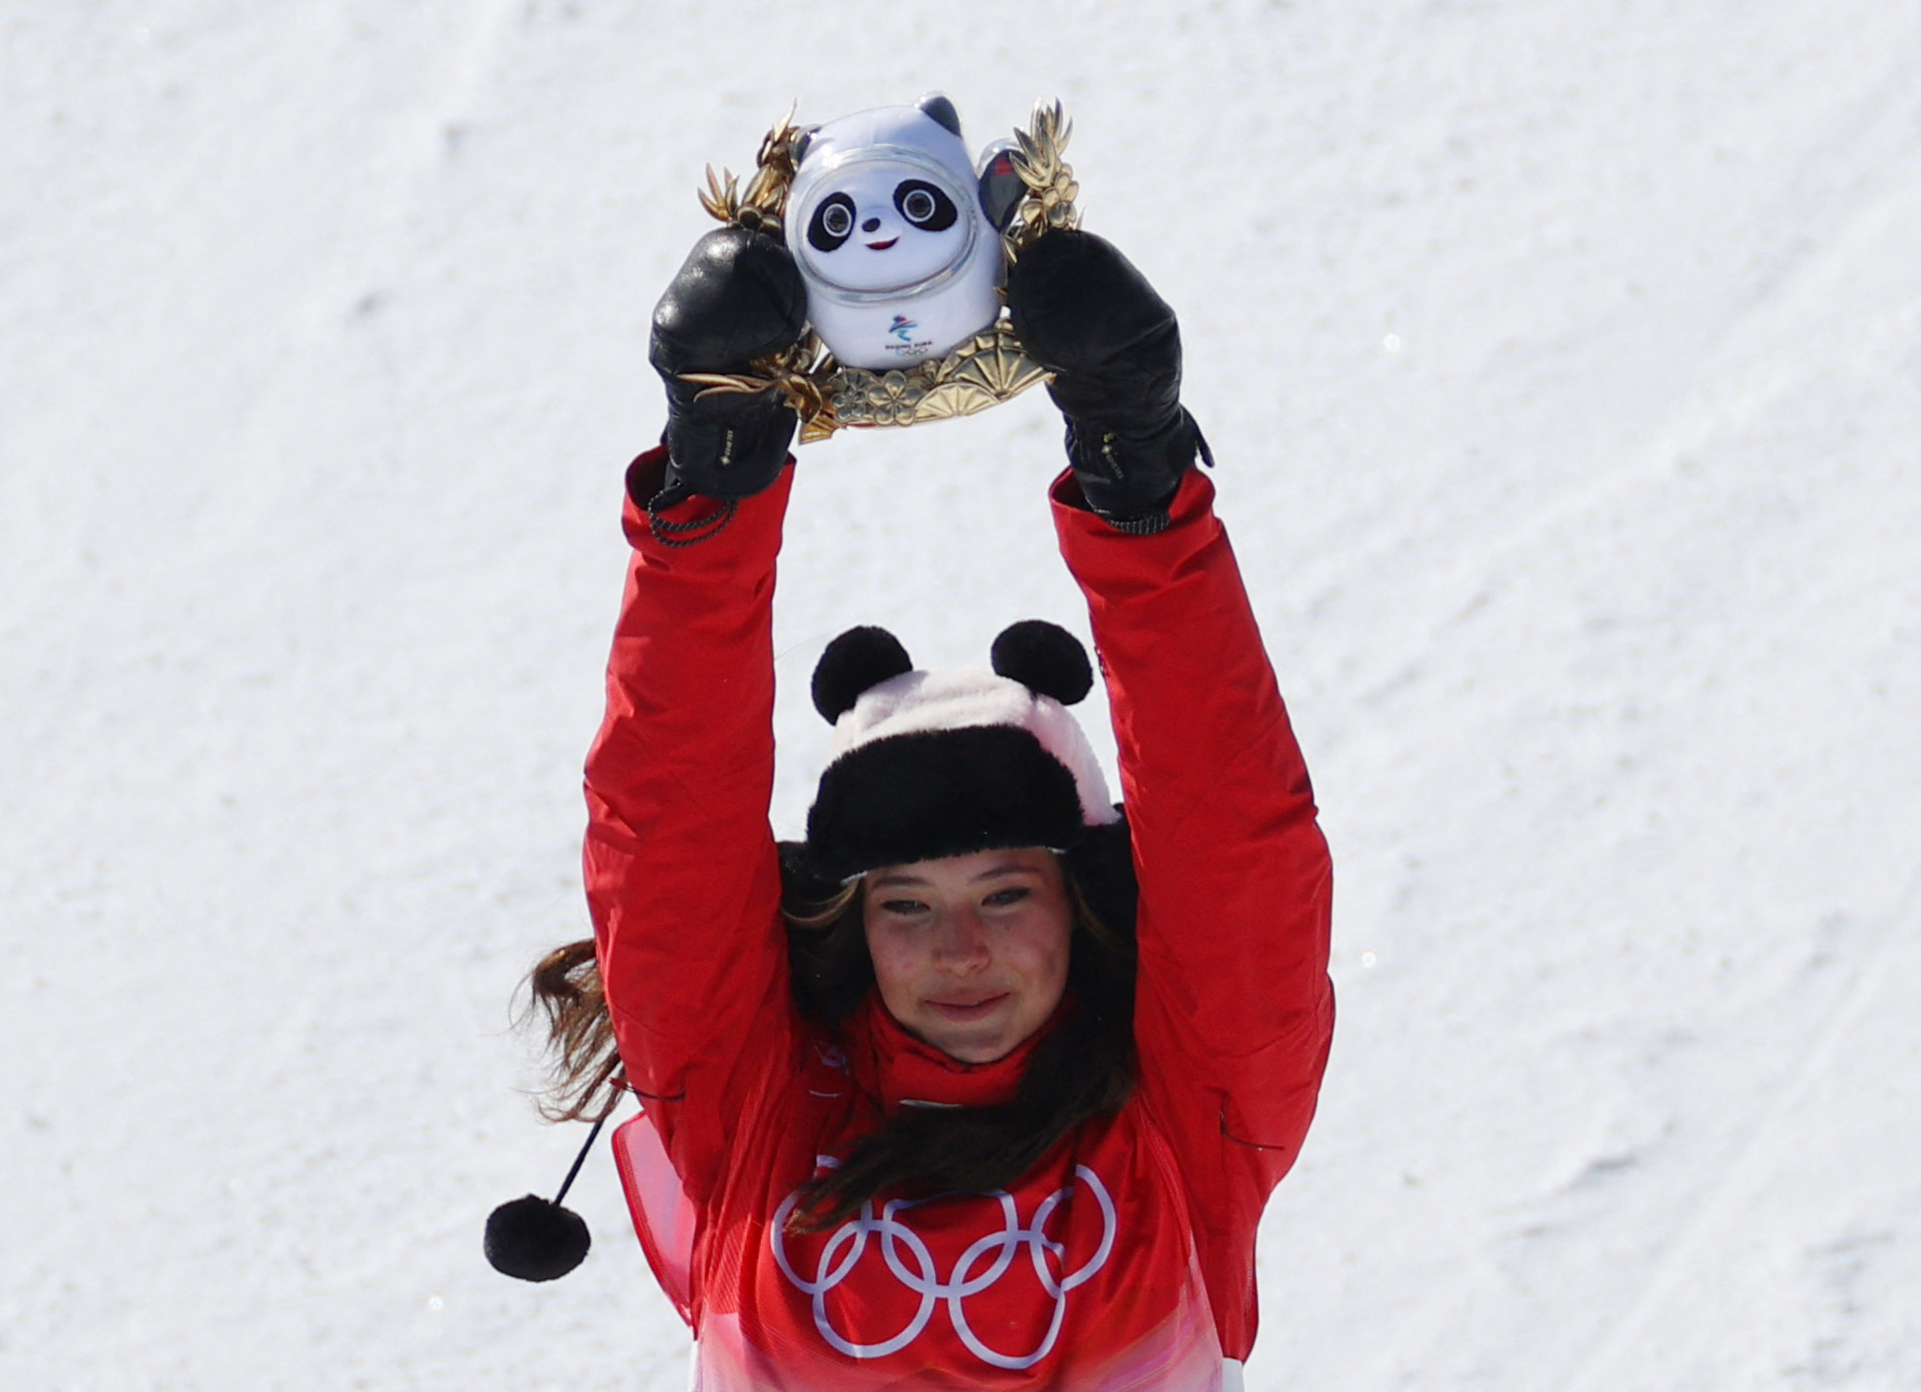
<point>1005,868</point>
<point>895,880</point>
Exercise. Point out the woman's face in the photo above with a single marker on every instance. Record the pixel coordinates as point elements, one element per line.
<point>970,951</point>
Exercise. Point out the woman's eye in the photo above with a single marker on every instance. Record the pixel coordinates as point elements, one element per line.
<point>832,223</point>
<point>902,907</point>
<point>925,205</point>
<point>1001,898</point>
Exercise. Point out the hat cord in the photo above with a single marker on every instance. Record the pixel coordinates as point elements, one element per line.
<point>579,1160</point>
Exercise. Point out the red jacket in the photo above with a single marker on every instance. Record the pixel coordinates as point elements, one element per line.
<point>1125,1258</point>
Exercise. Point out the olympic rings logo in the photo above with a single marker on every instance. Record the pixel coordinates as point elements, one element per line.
<point>979,1267</point>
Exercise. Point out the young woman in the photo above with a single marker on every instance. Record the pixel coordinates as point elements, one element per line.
<point>984,1084</point>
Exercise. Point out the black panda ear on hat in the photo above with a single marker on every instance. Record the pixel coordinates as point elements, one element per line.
<point>860,658</point>
<point>1044,657</point>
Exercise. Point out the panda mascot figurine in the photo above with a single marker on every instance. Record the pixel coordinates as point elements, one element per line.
<point>897,233</point>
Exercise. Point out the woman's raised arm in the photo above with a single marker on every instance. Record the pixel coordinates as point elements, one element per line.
<point>682,875</point>
<point>1233,1009</point>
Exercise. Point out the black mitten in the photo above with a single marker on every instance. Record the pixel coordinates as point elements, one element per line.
<point>1083,312</point>
<point>738,297</point>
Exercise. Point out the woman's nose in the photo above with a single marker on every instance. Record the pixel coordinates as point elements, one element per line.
<point>963,941</point>
<point>871,225</point>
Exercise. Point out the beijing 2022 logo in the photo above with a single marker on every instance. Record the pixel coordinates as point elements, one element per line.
<point>978,1268</point>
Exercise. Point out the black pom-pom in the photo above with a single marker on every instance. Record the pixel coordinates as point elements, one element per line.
<point>535,1239</point>
<point>859,658</point>
<point>1044,657</point>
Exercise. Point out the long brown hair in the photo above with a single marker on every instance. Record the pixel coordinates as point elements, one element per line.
<point>1083,1068</point>
<point>585,1082</point>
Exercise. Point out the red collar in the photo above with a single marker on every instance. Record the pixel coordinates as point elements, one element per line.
<point>891,1064</point>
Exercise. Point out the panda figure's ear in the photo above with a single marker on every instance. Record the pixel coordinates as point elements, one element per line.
<point>860,658</point>
<point>802,141</point>
<point>1046,658</point>
<point>941,110</point>
<point>1000,186</point>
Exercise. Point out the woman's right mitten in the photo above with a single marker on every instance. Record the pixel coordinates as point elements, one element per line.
<point>739,297</point>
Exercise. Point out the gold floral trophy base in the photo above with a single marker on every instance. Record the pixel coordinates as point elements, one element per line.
<point>990,368</point>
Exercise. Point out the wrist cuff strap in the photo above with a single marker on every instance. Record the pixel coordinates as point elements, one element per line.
<point>671,533</point>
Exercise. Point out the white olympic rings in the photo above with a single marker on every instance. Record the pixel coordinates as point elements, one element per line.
<point>848,1243</point>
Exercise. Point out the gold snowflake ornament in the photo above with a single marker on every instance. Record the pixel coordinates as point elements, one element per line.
<point>1051,190</point>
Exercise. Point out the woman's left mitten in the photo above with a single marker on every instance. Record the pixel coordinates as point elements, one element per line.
<point>739,297</point>
<point>1083,311</point>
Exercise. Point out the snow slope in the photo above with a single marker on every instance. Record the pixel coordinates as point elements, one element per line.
<point>1564,365</point>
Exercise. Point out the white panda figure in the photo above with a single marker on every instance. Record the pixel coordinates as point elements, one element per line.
<point>897,233</point>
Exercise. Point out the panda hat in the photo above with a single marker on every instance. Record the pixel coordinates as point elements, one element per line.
<point>896,232</point>
<point>930,764</point>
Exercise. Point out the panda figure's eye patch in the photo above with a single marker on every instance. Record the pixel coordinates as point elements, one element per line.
<point>832,223</point>
<point>925,205</point>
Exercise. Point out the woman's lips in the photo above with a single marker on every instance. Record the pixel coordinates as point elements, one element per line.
<point>882,246</point>
<point>968,1010</point>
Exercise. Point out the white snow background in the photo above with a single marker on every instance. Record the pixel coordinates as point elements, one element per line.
<point>1563,362</point>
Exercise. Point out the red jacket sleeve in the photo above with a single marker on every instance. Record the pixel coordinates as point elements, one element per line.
<point>1234,1008</point>
<point>683,879</point>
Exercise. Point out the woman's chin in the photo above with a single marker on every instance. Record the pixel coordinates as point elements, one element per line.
<point>976,1051</point>
<point>973,1033</point>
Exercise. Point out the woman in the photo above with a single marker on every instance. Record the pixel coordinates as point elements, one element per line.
<point>932,1099</point>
